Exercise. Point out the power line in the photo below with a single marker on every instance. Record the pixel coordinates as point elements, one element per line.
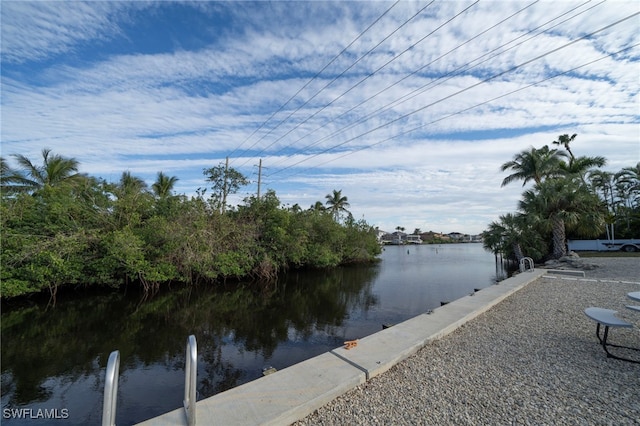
<point>477,105</point>
<point>464,68</point>
<point>440,80</point>
<point>337,77</point>
<point>461,91</point>
<point>397,102</point>
<point>315,76</point>
<point>385,89</point>
<point>370,75</point>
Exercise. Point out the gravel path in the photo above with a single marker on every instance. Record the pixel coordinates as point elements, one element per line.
<point>533,359</point>
<point>614,268</point>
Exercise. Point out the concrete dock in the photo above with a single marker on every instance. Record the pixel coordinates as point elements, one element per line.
<point>292,393</point>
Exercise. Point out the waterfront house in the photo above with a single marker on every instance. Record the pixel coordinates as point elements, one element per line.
<point>414,239</point>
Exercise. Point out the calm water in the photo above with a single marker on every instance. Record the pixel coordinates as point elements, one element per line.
<point>56,358</point>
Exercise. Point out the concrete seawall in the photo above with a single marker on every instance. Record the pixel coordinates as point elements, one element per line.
<point>292,393</point>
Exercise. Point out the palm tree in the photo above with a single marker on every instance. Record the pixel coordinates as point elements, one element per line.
<point>579,167</point>
<point>295,208</point>
<point>337,204</point>
<point>10,180</point>
<point>130,183</point>
<point>55,170</point>
<point>603,184</point>
<point>629,177</point>
<point>318,206</point>
<point>627,190</point>
<point>163,185</point>
<point>505,236</point>
<point>133,200</point>
<point>558,204</point>
<point>534,164</point>
<point>565,140</point>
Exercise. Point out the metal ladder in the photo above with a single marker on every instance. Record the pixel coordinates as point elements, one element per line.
<point>111,390</point>
<point>190,380</point>
<point>526,261</point>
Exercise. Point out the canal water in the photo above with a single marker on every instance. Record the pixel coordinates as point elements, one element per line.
<point>54,359</point>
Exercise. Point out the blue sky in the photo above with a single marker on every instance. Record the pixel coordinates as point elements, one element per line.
<point>409,108</point>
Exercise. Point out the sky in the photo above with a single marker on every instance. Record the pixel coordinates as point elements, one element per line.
<point>409,108</point>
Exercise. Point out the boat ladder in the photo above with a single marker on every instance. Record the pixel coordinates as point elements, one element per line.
<point>190,381</point>
<point>526,262</point>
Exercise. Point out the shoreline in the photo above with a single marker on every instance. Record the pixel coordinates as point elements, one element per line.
<point>294,392</point>
<point>531,359</point>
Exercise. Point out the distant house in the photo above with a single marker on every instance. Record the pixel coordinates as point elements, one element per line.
<point>414,239</point>
<point>399,238</point>
<point>380,235</point>
<point>465,238</point>
<point>456,236</point>
<point>395,238</point>
<point>386,238</point>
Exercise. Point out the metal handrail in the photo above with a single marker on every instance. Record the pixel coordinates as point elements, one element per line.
<point>523,264</point>
<point>111,390</point>
<point>190,380</point>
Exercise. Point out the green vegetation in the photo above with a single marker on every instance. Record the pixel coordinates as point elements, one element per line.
<point>60,228</point>
<point>571,198</point>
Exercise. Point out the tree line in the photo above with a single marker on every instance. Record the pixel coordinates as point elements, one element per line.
<point>571,197</point>
<point>61,228</point>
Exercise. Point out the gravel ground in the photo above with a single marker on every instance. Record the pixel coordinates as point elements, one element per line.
<point>533,359</point>
<point>614,268</point>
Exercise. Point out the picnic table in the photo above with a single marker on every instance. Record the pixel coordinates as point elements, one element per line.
<point>608,319</point>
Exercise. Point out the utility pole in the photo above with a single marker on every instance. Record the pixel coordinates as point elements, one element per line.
<point>224,185</point>
<point>259,177</point>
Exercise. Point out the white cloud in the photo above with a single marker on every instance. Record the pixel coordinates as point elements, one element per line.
<point>181,110</point>
<point>33,31</point>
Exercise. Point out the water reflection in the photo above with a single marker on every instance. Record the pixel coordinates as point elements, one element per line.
<point>56,358</point>
<point>238,330</point>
